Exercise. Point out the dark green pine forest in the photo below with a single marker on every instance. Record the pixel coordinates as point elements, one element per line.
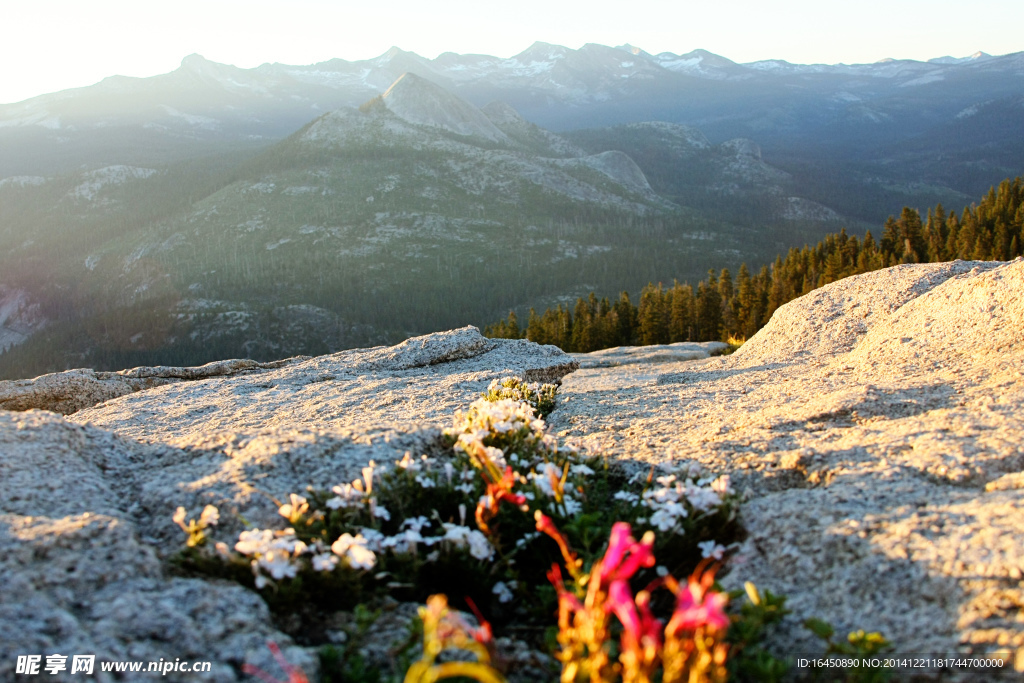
<point>726,307</point>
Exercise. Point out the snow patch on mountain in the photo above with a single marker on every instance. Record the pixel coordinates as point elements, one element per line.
<point>930,77</point>
<point>972,110</point>
<point>22,181</point>
<point>976,57</point>
<point>94,181</point>
<point>203,122</point>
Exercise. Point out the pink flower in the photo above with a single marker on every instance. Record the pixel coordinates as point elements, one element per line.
<point>620,601</point>
<point>625,556</point>
<point>696,608</point>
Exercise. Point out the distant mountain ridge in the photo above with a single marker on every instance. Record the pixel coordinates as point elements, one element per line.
<point>294,209</point>
<point>415,210</point>
<point>880,125</point>
<point>202,98</point>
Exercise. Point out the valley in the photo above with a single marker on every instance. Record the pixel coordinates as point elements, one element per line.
<point>219,212</point>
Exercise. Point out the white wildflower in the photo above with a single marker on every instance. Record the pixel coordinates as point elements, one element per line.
<point>503,591</point>
<point>722,486</point>
<point>272,552</point>
<point>325,562</point>
<point>408,463</point>
<point>346,495</point>
<point>253,541</point>
<point>627,496</point>
<point>209,517</point>
<point>404,541</point>
<point>527,537</point>
<point>368,476</point>
<point>667,516</point>
<point>373,538</point>
<point>462,536</point>
<point>355,551</point>
<point>296,508</point>
<point>581,469</point>
<point>417,524</point>
<point>572,507</point>
<point>701,498</point>
<point>277,563</point>
<point>479,546</point>
<point>545,478</point>
<point>711,549</point>
<point>425,481</point>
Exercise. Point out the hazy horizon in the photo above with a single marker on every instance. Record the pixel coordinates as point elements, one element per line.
<point>60,44</point>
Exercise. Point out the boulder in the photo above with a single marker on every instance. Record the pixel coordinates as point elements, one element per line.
<point>420,382</point>
<point>73,390</point>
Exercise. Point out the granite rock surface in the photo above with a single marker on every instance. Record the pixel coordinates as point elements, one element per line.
<point>872,424</point>
<point>85,509</point>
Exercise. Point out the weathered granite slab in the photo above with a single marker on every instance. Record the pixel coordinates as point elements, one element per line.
<point>875,424</point>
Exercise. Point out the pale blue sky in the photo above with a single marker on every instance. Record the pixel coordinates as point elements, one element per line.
<point>50,45</point>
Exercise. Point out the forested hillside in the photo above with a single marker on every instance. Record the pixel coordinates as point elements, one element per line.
<point>724,307</point>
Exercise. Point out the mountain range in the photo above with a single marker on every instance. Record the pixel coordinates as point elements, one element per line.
<point>299,209</point>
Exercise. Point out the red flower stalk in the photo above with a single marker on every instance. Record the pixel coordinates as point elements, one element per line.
<point>485,634</point>
<point>572,563</point>
<point>497,491</point>
<point>295,674</point>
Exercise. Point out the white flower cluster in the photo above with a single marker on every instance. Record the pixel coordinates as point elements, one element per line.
<point>357,494</point>
<point>277,553</point>
<point>412,534</point>
<point>539,396</point>
<point>273,552</point>
<point>504,590</point>
<point>355,551</point>
<point>673,498</point>
<point>503,418</point>
<point>548,480</point>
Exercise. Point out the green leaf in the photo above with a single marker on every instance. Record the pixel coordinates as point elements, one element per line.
<point>820,628</point>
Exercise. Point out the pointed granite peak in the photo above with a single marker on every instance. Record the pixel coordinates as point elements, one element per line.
<point>419,101</point>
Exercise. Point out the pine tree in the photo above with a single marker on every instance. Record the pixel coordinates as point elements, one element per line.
<point>680,325</point>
